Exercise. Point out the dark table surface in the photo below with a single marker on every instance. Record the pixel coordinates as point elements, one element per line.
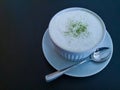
<point>22,63</point>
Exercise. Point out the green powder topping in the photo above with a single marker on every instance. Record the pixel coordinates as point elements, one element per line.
<point>75,29</point>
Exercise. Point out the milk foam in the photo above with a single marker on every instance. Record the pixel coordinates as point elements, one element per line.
<point>58,26</point>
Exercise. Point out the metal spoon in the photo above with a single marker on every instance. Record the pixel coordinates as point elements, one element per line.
<point>100,55</point>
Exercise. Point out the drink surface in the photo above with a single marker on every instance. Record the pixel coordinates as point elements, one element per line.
<point>76,30</point>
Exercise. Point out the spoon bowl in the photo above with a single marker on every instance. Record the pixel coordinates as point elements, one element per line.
<point>100,55</point>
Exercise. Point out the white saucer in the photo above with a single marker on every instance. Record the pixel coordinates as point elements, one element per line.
<point>83,70</point>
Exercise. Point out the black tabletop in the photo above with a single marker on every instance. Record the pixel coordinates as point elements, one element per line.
<point>22,63</point>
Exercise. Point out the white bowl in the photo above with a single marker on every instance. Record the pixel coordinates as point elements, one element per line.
<point>71,55</point>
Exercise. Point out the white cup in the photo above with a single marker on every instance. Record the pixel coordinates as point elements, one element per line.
<point>71,55</point>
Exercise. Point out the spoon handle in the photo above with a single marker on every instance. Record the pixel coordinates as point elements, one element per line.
<point>55,75</point>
